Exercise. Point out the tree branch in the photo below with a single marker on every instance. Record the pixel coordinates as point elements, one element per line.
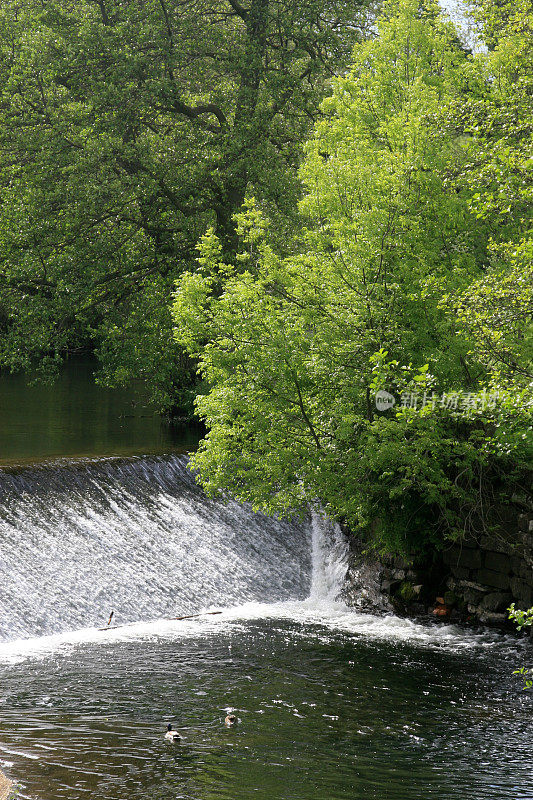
<point>236,6</point>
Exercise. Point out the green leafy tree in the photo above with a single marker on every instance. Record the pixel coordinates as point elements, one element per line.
<point>126,128</point>
<point>496,311</point>
<point>294,348</point>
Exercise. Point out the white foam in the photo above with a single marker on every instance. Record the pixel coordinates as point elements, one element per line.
<point>316,618</point>
<point>321,615</point>
<point>139,538</point>
<point>329,559</point>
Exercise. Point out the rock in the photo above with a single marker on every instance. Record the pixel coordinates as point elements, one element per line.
<point>489,577</point>
<point>523,522</point>
<point>483,574</point>
<point>498,544</point>
<point>365,584</point>
<point>525,571</point>
<point>390,586</point>
<point>492,618</point>
<point>496,601</point>
<point>477,587</point>
<point>462,557</point>
<point>450,599</point>
<point>462,573</point>
<point>474,596</point>
<point>522,592</point>
<point>498,562</point>
<point>406,592</point>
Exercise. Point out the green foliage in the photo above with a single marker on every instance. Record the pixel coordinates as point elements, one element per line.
<point>126,129</point>
<point>497,174</point>
<point>406,593</point>
<point>522,619</point>
<point>377,295</point>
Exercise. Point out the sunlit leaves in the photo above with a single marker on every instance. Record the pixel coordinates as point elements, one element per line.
<point>386,287</point>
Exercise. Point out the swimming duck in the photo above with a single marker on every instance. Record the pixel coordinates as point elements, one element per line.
<point>171,735</point>
<point>230,720</point>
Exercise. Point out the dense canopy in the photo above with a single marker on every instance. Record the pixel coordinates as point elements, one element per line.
<point>126,128</point>
<point>412,276</point>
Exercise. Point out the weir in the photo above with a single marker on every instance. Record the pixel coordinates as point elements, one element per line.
<point>329,555</point>
<point>83,711</point>
<point>137,537</point>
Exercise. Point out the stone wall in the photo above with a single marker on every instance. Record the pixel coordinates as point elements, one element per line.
<point>487,576</point>
<point>475,580</point>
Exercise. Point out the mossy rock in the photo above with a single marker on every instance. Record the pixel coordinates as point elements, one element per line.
<point>406,593</point>
<point>450,599</point>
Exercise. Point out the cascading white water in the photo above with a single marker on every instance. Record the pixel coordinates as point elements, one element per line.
<point>329,556</point>
<point>137,537</point>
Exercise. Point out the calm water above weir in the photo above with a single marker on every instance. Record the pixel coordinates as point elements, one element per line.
<point>332,704</point>
<point>75,417</point>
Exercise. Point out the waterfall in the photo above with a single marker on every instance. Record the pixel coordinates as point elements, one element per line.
<point>137,537</point>
<point>140,538</point>
<point>329,557</point>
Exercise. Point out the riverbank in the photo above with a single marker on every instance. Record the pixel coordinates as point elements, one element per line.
<point>5,787</point>
<point>473,580</point>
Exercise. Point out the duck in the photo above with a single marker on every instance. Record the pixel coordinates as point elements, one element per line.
<point>172,735</point>
<point>230,720</point>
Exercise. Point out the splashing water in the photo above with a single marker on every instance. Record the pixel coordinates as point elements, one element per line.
<point>329,557</point>
<point>139,537</point>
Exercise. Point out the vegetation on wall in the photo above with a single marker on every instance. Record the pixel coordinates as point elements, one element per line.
<point>411,276</point>
<point>523,619</point>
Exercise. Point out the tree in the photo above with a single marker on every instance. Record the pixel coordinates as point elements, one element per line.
<point>496,310</point>
<point>299,345</point>
<point>127,128</point>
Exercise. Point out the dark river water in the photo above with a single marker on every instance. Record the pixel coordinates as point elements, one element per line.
<point>75,417</point>
<point>328,709</point>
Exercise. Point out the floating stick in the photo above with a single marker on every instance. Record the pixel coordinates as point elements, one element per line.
<point>188,616</point>
<point>203,614</point>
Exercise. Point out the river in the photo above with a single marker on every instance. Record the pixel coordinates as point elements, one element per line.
<point>332,703</point>
<point>99,513</point>
<point>74,417</point>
